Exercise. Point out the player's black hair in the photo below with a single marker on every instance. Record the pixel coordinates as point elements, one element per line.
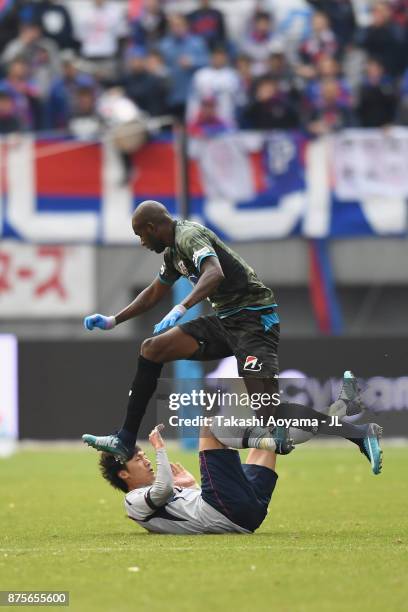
<point>110,468</point>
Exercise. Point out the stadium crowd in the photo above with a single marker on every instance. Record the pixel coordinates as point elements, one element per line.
<point>61,73</point>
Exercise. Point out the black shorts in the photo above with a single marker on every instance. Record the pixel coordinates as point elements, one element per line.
<point>241,492</point>
<point>245,335</point>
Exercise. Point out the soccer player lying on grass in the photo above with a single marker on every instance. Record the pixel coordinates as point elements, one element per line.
<point>233,497</point>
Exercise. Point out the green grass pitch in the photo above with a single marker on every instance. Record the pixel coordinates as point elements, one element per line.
<point>335,539</point>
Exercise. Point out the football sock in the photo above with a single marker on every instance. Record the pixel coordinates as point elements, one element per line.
<point>143,387</point>
<point>299,436</point>
<point>354,433</point>
<point>244,437</point>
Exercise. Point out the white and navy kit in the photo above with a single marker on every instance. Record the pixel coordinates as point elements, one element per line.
<point>234,498</point>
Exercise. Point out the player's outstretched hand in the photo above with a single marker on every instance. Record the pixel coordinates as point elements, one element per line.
<point>100,321</point>
<point>182,478</point>
<point>171,318</point>
<point>155,438</point>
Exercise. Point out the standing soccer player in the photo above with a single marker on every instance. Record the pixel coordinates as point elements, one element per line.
<point>245,323</point>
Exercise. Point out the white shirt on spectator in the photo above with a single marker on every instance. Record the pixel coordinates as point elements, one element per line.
<point>99,28</point>
<point>220,83</point>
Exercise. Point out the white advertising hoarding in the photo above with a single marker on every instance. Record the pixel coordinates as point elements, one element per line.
<point>8,394</point>
<point>46,281</point>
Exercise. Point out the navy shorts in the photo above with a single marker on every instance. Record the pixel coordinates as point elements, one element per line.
<point>241,492</point>
<point>251,335</point>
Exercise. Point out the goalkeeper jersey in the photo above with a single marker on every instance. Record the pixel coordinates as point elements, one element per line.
<point>193,243</point>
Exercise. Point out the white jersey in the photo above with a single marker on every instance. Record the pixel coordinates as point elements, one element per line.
<point>184,513</point>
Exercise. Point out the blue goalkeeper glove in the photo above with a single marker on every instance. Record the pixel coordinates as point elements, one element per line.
<point>98,320</point>
<point>170,319</point>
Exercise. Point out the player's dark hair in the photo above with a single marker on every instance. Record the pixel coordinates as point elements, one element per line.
<point>110,469</point>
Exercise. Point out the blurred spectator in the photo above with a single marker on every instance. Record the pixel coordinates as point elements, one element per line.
<point>155,65</point>
<point>9,22</point>
<point>9,120</point>
<point>384,40</point>
<point>220,82</point>
<point>377,97</point>
<point>260,42</point>
<point>101,30</point>
<point>327,68</point>
<point>207,122</point>
<point>55,22</point>
<point>125,127</point>
<point>208,22</point>
<point>402,111</point>
<point>246,78</point>
<point>322,41</point>
<point>150,26</point>
<point>400,12</point>
<point>63,91</point>
<point>280,70</point>
<point>84,122</point>
<point>24,93</point>
<point>147,90</point>
<point>183,53</point>
<point>40,53</point>
<point>353,64</point>
<point>330,112</point>
<point>340,14</point>
<point>270,109</point>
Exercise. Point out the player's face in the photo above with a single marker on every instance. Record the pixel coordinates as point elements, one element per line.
<point>148,237</point>
<point>140,470</point>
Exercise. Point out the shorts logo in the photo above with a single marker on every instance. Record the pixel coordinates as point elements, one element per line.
<point>251,364</point>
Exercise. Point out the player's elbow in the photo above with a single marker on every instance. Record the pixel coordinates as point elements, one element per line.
<point>161,493</point>
<point>217,276</point>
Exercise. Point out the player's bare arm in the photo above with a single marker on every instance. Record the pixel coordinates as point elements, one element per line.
<point>210,278</point>
<point>147,299</point>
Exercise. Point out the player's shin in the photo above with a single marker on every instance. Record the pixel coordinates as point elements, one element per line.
<point>143,387</point>
<point>350,431</point>
<point>244,437</point>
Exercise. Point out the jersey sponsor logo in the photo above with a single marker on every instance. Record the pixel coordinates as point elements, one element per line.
<point>182,267</point>
<point>199,255</point>
<point>252,364</point>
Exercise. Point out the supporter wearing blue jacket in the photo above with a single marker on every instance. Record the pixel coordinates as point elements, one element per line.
<point>183,53</point>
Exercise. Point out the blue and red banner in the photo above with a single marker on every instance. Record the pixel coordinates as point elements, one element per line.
<point>245,186</point>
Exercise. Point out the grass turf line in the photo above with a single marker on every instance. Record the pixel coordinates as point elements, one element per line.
<point>335,539</point>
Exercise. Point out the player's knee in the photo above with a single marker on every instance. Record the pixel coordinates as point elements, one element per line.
<point>152,349</point>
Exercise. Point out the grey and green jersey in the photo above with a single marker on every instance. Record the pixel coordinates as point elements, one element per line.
<point>241,288</point>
